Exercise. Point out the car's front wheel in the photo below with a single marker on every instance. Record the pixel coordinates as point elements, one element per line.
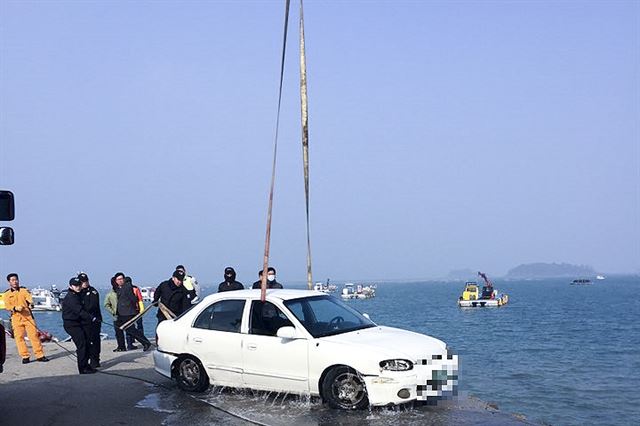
<point>190,375</point>
<point>344,388</point>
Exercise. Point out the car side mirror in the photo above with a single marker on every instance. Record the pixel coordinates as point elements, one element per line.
<point>7,205</point>
<point>366,315</point>
<point>6,236</point>
<point>288,333</point>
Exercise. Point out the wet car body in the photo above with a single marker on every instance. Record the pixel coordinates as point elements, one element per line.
<point>303,342</point>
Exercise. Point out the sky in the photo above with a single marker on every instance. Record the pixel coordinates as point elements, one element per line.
<point>137,136</point>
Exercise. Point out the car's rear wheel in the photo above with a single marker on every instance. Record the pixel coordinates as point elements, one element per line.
<point>343,388</point>
<point>190,375</point>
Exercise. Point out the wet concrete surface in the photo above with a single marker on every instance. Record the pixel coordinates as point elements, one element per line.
<point>128,391</point>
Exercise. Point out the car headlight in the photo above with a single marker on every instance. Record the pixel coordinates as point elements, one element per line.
<point>396,365</point>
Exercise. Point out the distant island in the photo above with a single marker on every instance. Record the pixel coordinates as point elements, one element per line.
<point>549,270</point>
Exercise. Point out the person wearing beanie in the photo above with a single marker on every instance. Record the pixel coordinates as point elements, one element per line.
<point>271,279</point>
<point>173,295</point>
<point>229,283</point>
<point>190,284</point>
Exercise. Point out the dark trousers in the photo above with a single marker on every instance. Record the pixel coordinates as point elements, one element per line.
<point>133,331</point>
<point>94,342</point>
<point>80,336</point>
<point>119,335</point>
<point>129,337</point>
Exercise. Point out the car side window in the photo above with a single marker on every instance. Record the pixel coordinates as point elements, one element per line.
<point>225,315</point>
<point>267,318</point>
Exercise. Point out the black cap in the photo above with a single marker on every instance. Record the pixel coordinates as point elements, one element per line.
<point>178,274</point>
<point>229,270</point>
<point>74,281</point>
<point>180,267</point>
<point>83,278</point>
<point>271,269</point>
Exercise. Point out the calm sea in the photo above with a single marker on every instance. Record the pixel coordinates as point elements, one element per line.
<point>557,353</point>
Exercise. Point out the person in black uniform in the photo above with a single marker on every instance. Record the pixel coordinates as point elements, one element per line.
<point>91,302</point>
<point>229,282</point>
<point>173,295</point>
<point>127,309</point>
<point>271,279</point>
<point>75,317</point>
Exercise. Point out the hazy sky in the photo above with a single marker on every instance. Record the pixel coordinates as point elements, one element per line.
<point>443,135</point>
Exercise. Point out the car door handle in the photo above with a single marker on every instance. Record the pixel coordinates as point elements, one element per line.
<point>252,346</point>
<point>197,340</point>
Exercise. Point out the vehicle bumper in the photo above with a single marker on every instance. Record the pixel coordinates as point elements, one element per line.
<point>425,382</point>
<point>162,362</point>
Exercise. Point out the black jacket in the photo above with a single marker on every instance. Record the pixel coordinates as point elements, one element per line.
<point>91,301</point>
<point>270,284</point>
<point>174,297</point>
<point>127,301</point>
<point>229,286</point>
<point>73,311</point>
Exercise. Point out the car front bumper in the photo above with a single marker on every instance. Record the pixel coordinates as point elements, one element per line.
<point>162,362</point>
<point>425,382</point>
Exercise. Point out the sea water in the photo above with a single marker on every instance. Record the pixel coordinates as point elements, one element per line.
<point>557,353</point>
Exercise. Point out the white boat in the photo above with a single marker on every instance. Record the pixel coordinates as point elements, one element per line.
<point>599,277</point>
<point>353,291</point>
<point>147,293</point>
<point>44,300</point>
<point>325,288</point>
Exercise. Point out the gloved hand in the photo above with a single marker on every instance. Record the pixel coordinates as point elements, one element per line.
<point>18,308</point>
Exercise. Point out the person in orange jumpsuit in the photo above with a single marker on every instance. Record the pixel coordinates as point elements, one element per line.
<point>18,301</point>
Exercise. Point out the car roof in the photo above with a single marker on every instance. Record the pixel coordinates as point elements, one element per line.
<point>282,294</point>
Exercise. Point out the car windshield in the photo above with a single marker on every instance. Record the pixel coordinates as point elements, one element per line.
<point>326,316</point>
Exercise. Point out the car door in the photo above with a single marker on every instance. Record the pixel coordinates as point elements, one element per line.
<point>216,340</point>
<point>271,362</point>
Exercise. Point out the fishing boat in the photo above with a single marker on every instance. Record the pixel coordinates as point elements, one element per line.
<point>353,291</point>
<point>44,300</point>
<point>472,297</point>
<point>581,281</point>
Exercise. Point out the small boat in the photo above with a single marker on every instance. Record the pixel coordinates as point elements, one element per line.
<point>353,291</point>
<point>581,281</point>
<point>599,277</point>
<point>44,300</point>
<point>489,297</point>
<point>147,293</point>
<point>325,288</point>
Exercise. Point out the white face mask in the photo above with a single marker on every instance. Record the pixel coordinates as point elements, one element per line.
<point>271,277</point>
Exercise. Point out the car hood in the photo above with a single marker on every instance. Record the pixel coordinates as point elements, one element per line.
<point>393,342</point>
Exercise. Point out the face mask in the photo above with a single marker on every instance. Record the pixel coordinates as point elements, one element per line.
<point>271,277</point>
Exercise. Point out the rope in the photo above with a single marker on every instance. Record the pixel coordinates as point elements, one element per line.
<point>267,241</point>
<point>305,138</point>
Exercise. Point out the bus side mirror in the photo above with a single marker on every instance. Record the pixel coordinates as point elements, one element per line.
<point>6,236</point>
<point>7,208</point>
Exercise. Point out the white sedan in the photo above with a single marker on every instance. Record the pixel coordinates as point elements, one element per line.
<point>304,342</point>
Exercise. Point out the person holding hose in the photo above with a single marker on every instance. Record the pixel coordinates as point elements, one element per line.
<point>18,301</point>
